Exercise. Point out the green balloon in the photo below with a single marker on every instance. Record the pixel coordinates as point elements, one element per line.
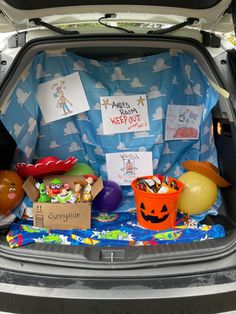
<point>80,169</point>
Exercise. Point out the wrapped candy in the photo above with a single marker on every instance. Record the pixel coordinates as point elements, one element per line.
<point>155,185</point>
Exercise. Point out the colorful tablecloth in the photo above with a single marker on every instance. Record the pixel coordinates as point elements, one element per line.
<point>113,229</point>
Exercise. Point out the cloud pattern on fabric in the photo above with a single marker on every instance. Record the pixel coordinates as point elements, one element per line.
<point>135,60</point>
<point>160,65</point>
<point>160,139</point>
<point>70,129</point>
<point>22,96</point>
<point>74,147</point>
<point>53,145</point>
<point>159,114</point>
<point>82,135</point>
<point>32,125</point>
<point>142,134</point>
<point>119,92</point>
<point>99,85</point>
<point>136,83</point>
<point>99,151</point>
<point>118,75</point>
<point>154,92</point>
<point>17,129</point>
<point>79,66</point>
<point>121,146</point>
<point>95,63</point>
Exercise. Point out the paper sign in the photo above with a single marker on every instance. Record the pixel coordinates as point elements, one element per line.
<point>122,114</point>
<point>123,168</point>
<point>183,122</point>
<point>62,98</point>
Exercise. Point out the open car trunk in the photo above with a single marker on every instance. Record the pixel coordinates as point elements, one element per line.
<point>162,259</point>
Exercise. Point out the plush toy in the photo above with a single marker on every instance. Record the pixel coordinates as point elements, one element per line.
<point>200,186</point>
<point>11,191</point>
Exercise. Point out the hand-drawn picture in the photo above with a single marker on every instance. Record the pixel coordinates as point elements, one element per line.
<point>129,165</point>
<point>63,102</point>
<point>62,97</point>
<point>182,122</point>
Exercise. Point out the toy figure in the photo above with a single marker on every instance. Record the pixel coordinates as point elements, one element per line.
<point>64,196</point>
<point>54,187</point>
<point>11,191</point>
<point>43,197</point>
<point>87,196</point>
<point>76,194</point>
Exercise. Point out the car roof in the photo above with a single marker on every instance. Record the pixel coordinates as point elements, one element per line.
<point>212,14</point>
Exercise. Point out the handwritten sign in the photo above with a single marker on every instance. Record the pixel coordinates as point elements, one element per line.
<point>128,166</point>
<point>122,114</point>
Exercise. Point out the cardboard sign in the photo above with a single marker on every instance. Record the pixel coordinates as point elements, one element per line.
<point>123,168</point>
<point>62,98</point>
<point>183,122</point>
<point>61,216</point>
<point>122,114</point>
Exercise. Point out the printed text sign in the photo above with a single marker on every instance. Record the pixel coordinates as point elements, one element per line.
<point>122,114</point>
<point>62,98</point>
<point>123,168</point>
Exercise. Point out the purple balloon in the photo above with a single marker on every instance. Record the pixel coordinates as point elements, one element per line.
<point>109,198</point>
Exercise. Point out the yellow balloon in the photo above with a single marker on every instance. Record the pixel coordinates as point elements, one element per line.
<point>198,195</point>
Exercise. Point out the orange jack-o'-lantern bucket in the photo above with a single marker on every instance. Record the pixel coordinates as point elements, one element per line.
<point>157,211</point>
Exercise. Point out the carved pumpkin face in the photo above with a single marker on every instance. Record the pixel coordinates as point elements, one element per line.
<point>155,216</point>
<point>156,211</point>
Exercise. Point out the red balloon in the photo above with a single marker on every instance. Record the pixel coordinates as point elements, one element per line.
<point>11,191</point>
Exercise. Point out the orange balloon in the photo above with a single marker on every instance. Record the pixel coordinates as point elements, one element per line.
<point>11,191</point>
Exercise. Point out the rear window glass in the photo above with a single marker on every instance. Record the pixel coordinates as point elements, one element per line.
<point>32,5</point>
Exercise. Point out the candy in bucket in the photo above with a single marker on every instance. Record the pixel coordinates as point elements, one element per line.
<point>156,199</point>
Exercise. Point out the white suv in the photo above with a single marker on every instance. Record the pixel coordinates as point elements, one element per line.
<point>188,277</point>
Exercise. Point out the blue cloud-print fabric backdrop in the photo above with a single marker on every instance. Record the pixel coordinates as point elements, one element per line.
<point>172,77</point>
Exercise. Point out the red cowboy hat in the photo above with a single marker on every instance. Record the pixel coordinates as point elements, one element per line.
<point>45,166</point>
<point>208,170</point>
